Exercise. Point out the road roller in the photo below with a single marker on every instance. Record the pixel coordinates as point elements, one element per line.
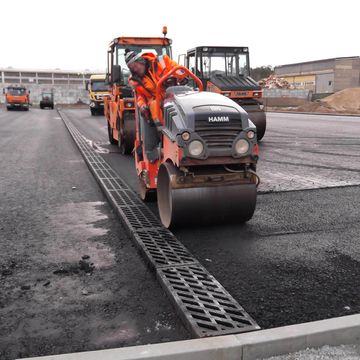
<point>119,107</point>
<point>226,70</point>
<point>197,155</point>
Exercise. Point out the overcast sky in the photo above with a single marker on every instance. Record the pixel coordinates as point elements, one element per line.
<point>74,34</point>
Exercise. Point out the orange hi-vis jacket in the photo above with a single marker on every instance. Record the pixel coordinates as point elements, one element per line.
<point>145,88</point>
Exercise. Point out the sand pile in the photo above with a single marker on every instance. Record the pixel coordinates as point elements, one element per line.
<point>346,101</point>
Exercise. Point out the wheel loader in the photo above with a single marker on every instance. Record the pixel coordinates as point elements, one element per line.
<point>226,70</point>
<point>119,106</point>
<point>198,154</point>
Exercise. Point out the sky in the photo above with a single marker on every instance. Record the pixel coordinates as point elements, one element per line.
<point>74,35</point>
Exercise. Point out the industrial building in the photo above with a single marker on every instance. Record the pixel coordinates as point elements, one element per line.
<point>68,86</point>
<point>322,76</point>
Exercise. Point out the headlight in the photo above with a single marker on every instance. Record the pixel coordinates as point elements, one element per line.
<point>250,134</point>
<point>129,104</point>
<point>242,146</point>
<point>185,136</point>
<point>196,148</point>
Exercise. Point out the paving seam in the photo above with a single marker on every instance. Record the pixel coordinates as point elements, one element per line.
<point>203,304</point>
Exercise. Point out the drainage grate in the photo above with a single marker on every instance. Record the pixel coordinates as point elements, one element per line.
<point>162,248</point>
<point>207,308</point>
<point>139,217</point>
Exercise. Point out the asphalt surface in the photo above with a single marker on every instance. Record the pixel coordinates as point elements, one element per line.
<point>52,214</point>
<point>297,260</point>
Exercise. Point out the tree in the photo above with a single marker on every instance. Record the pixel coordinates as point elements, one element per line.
<point>261,72</point>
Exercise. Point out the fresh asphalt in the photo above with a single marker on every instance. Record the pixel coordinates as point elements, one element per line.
<point>297,260</point>
<point>52,214</point>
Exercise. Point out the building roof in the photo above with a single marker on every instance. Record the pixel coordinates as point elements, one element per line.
<point>318,61</point>
<point>55,71</point>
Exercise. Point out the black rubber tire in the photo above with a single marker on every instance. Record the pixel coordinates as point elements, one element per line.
<point>127,133</point>
<point>110,134</point>
<point>259,120</point>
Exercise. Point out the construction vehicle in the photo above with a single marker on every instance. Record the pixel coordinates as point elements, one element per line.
<point>226,70</point>
<point>198,155</point>
<point>119,106</point>
<point>98,88</point>
<point>17,97</point>
<point>47,100</point>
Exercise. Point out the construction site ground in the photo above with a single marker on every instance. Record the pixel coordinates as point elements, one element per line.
<point>73,280</point>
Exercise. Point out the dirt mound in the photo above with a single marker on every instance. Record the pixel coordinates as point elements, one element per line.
<point>344,100</point>
<point>316,106</point>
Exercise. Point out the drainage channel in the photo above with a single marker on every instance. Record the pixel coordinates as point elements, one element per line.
<point>203,304</point>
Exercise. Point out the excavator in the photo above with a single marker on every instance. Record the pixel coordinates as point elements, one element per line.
<point>226,70</point>
<point>119,106</point>
<point>198,155</point>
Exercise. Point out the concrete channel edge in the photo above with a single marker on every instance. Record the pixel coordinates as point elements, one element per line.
<point>250,346</point>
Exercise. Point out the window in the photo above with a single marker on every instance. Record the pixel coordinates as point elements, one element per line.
<point>191,63</point>
<point>16,91</point>
<point>223,62</point>
<point>100,85</point>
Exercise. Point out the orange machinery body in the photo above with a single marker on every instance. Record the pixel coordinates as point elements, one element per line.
<point>19,99</point>
<point>171,152</point>
<point>120,104</point>
<point>235,94</point>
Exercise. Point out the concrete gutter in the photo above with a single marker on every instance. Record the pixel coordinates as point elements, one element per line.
<point>249,346</point>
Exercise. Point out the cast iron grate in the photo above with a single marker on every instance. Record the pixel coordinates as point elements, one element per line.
<point>205,306</point>
<point>139,217</point>
<point>162,248</point>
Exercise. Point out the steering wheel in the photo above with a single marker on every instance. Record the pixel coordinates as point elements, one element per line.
<point>181,73</point>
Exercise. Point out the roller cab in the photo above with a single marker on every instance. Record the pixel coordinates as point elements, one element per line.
<point>226,70</point>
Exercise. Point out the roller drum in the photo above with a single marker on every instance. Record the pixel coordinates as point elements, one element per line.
<point>204,205</point>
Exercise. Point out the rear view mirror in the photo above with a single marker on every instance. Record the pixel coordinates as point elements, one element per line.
<point>87,85</point>
<point>4,91</point>
<point>116,74</point>
<point>29,91</point>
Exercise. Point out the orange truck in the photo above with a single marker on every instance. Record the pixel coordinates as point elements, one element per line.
<point>17,97</point>
<point>119,107</point>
